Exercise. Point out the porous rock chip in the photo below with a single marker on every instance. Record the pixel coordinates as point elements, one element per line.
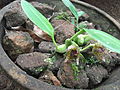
<point>46,47</point>
<point>49,77</point>
<point>17,42</point>
<point>15,16</point>
<point>96,74</point>
<point>45,9</point>
<point>68,79</point>
<point>63,30</point>
<point>32,63</point>
<point>14,19</point>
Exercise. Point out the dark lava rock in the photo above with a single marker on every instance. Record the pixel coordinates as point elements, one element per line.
<point>45,9</point>
<point>68,79</point>
<point>13,19</point>
<point>32,63</point>
<point>16,17</point>
<point>114,77</point>
<point>63,30</point>
<point>96,74</point>
<point>49,77</point>
<point>46,47</point>
<point>17,42</point>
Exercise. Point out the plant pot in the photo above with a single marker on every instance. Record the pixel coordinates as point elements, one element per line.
<point>97,16</point>
<point>4,2</point>
<point>109,6</point>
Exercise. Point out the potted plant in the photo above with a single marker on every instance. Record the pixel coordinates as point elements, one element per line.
<point>77,60</point>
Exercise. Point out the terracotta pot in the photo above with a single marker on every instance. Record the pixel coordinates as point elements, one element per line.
<point>97,16</point>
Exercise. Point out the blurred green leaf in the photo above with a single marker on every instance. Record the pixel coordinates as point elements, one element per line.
<point>37,18</point>
<point>71,7</point>
<point>80,13</point>
<point>105,39</point>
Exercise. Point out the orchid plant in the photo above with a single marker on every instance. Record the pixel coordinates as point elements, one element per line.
<point>43,23</point>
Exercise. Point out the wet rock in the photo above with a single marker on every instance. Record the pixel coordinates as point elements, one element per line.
<point>71,78</point>
<point>49,77</point>
<point>63,30</point>
<point>45,9</point>
<point>32,63</point>
<point>16,43</point>
<point>46,47</point>
<point>96,74</point>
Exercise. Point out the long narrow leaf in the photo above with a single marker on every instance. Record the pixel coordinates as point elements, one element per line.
<point>71,7</point>
<point>37,18</point>
<point>105,39</point>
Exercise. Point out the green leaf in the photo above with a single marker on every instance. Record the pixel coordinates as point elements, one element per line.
<point>80,13</point>
<point>37,18</point>
<point>71,7</point>
<point>105,39</point>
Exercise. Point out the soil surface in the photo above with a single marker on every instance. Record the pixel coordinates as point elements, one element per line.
<point>109,6</point>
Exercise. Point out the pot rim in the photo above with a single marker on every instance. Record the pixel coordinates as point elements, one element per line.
<point>21,76</point>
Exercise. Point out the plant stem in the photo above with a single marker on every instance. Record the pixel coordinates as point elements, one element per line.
<point>53,39</point>
<point>91,45</point>
<point>75,35</point>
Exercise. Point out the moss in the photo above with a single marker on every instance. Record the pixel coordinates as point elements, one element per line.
<point>91,60</point>
<point>50,60</point>
<point>75,70</point>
